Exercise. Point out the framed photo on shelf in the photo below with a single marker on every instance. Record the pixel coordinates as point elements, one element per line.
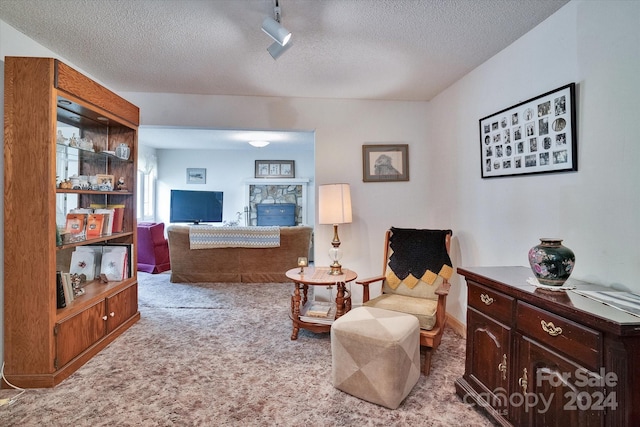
<point>275,169</point>
<point>196,176</point>
<point>105,182</point>
<point>535,136</point>
<point>388,162</point>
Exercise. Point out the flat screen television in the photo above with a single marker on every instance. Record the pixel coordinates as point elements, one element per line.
<point>196,206</point>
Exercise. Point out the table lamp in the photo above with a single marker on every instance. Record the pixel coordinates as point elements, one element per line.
<point>334,206</point>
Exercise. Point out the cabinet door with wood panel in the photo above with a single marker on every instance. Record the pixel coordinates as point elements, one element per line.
<point>488,357</point>
<point>79,332</point>
<point>121,306</point>
<point>552,390</point>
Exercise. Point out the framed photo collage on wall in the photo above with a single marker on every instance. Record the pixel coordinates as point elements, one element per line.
<point>535,136</point>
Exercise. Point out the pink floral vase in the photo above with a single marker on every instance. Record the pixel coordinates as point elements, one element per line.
<point>551,262</point>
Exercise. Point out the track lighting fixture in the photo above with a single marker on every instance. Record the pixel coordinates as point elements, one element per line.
<point>275,30</point>
<point>275,50</point>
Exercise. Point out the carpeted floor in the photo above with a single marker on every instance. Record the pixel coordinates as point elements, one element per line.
<point>220,354</point>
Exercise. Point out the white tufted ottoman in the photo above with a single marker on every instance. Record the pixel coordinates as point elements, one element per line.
<point>375,355</point>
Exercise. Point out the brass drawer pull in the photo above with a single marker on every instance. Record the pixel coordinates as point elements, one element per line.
<point>523,381</point>
<point>502,367</point>
<point>486,299</point>
<point>550,328</point>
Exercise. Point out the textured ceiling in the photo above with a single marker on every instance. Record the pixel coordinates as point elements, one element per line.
<point>356,49</point>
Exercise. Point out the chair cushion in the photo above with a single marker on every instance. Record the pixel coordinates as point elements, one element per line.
<point>418,289</point>
<point>422,308</point>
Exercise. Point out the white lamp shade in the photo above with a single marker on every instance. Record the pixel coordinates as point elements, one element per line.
<point>334,204</point>
<point>276,31</point>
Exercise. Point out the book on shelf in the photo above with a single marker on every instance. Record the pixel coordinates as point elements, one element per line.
<point>96,251</point>
<point>95,224</point>
<point>108,214</point>
<point>76,226</point>
<point>67,288</point>
<point>318,312</point>
<point>115,263</point>
<point>118,217</point>
<point>60,299</point>
<point>118,214</point>
<point>83,262</point>
<point>129,260</point>
<point>113,260</point>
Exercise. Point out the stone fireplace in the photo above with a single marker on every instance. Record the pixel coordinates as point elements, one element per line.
<point>273,191</point>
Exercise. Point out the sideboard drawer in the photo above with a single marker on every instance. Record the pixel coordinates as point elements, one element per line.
<point>492,303</point>
<point>576,341</point>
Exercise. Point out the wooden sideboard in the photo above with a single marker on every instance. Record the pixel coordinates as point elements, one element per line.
<point>537,357</point>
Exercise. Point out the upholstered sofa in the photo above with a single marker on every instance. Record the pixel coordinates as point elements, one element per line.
<point>236,264</point>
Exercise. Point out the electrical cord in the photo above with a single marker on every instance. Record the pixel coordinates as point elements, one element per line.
<point>10,400</point>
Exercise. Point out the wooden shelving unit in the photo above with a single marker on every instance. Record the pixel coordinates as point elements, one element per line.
<point>44,344</point>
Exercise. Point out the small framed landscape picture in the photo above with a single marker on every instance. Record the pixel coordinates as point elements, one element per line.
<point>388,162</point>
<point>196,176</point>
<point>275,169</point>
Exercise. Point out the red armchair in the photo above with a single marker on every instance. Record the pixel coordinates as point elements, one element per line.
<point>153,248</point>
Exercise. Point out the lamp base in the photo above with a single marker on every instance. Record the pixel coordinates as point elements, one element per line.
<point>336,269</point>
<point>335,254</point>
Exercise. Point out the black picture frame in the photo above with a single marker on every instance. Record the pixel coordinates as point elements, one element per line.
<point>385,162</point>
<point>533,137</point>
<point>275,169</point>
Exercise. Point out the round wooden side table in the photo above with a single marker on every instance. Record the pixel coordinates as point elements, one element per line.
<point>317,276</point>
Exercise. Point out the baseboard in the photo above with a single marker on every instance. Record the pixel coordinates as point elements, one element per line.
<point>457,326</point>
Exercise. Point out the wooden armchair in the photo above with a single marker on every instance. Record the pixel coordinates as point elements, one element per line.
<point>415,280</point>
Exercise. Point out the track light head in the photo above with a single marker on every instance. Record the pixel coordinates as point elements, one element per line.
<point>275,50</point>
<point>276,31</point>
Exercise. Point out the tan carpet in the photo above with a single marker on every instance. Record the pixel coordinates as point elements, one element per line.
<point>220,355</point>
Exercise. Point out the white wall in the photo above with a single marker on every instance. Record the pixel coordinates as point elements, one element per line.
<point>595,210</point>
<point>227,171</point>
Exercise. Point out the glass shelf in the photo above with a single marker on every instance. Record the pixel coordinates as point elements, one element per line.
<point>94,241</point>
<point>92,153</point>
<point>103,193</point>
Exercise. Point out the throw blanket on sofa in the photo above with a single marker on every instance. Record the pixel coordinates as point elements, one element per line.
<point>205,237</point>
